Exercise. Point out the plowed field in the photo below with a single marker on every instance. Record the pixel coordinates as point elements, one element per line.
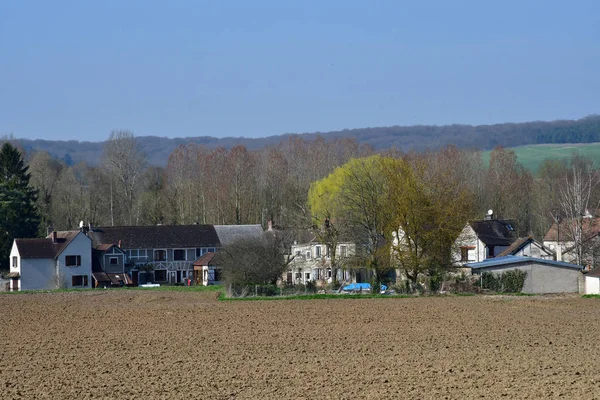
<point>160,344</point>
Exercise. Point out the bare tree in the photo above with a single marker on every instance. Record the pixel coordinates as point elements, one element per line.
<point>126,163</point>
<point>576,197</point>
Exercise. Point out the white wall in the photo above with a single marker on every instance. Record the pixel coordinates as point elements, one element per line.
<point>592,285</point>
<point>37,273</point>
<point>81,245</point>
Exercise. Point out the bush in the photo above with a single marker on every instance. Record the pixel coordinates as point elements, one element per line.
<point>510,281</point>
<point>513,280</point>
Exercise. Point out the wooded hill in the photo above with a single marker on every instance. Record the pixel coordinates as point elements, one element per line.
<point>406,138</point>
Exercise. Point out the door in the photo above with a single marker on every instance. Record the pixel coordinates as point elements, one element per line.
<point>172,277</point>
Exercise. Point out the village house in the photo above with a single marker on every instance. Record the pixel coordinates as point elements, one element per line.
<point>61,260</point>
<point>312,263</point>
<point>560,238</point>
<point>163,253</point>
<point>483,239</point>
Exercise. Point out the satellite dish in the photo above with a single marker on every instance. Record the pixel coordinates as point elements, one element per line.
<point>81,224</point>
<point>490,212</point>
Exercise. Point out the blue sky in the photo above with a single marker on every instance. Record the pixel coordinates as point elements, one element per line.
<point>75,70</point>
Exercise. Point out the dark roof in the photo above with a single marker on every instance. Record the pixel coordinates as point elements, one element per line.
<point>495,232</point>
<point>156,237</point>
<point>516,246</point>
<point>206,259</point>
<point>515,260</point>
<point>45,248</point>
<point>595,272</point>
<point>228,234</point>
<point>113,278</point>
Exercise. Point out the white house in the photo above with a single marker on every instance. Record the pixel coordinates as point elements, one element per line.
<point>483,239</point>
<point>528,247</point>
<point>61,260</point>
<point>312,263</point>
<point>560,239</point>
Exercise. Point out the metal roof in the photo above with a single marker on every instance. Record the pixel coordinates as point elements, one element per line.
<point>510,260</point>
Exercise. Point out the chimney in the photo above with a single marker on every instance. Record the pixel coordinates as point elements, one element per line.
<point>49,230</point>
<point>54,237</point>
<point>269,225</point>
<point>558,251</point>
<point>119,245</point>
<point>90,228</point>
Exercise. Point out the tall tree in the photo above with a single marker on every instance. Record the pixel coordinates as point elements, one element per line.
<point>18,213</point>
<point>126,163</point>
<point>355,192</point>
<point>429,205</point>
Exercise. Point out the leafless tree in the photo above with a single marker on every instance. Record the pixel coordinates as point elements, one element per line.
<point>578,211</point>
<point>126,163</point>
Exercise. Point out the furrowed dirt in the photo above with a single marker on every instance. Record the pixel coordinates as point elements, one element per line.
<point>159,344</point>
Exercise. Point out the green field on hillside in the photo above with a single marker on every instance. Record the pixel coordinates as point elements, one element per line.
<point>532,156</point>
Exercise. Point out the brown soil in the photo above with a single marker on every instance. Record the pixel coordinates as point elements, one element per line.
<point>157,344</point>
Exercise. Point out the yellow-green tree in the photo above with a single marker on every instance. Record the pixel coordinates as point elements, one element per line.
<point>353,197</point>
<point>428,207</point>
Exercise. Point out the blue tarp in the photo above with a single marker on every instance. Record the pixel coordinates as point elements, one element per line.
<point>360,286</point>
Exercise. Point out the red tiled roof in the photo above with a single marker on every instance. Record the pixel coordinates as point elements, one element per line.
<point>206,259</point>
<point>591,228</point>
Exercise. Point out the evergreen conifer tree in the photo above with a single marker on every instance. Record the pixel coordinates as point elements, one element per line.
<point>18,213</point>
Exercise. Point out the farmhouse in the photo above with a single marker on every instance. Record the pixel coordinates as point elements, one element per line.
<point>311,262</point>
<point>543,276</point>
<point>572,239</point>
<point>483,239</point>
<point>163,253</point>
<point>61,260</point>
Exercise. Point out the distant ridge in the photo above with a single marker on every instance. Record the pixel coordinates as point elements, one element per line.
<point>418,138</point>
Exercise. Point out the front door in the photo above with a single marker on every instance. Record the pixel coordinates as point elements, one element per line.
<point>172,277</point>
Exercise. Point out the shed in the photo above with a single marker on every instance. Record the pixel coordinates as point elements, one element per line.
<point>206,271</point>
<point>543,276</point>
<point>592,282</point>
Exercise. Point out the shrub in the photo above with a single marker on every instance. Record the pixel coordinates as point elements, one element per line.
<point>510,281</point>
<point>513,280</point>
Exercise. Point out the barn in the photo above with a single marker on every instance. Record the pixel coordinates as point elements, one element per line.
<point>543,276</point>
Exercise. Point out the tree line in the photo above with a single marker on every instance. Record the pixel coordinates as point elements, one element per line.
<point>244,186</point>
<point>405,138</point>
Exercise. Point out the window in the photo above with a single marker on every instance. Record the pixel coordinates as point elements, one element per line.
<point>14,262</point>
<point>327,252</point>
<point>298,253</point>
<point>160,275</point>
<point>198,254</point>
<point>329,273</point>
<point>343,251</point>
<point>491,252</point>
<point>308,254</point>
<point>160,255</point>
<point>307,276</point>
<point>113,261</point>
<point>464,254</point>
<point>72,261</point>
<point>179,255</point>
<point>79,280</point>
<point>318,251</point>
<point>217,275</point>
